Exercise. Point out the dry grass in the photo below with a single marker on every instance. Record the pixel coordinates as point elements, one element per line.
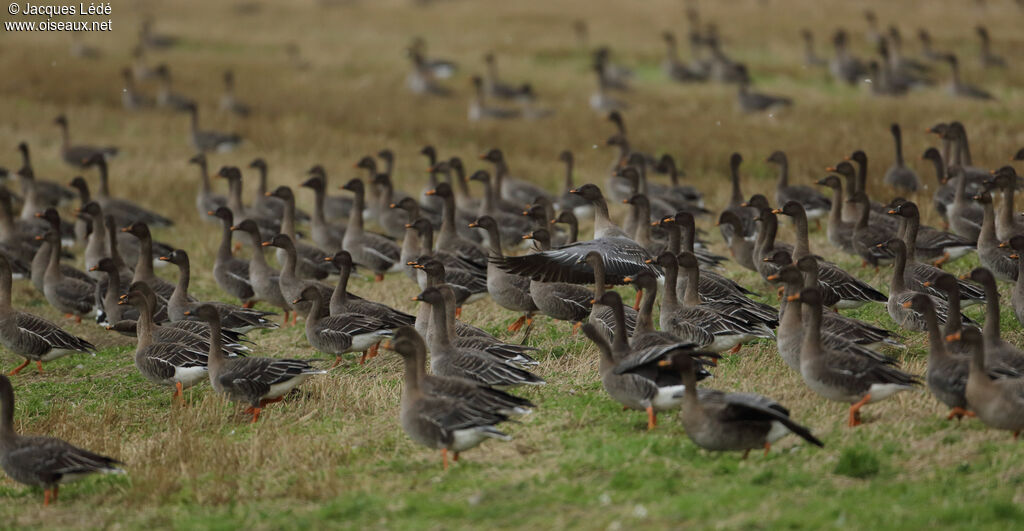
<point>334,452</point>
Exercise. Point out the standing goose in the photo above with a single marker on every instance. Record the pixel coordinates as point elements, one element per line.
<point>440,422</point>
<point>719,421</point>
<point>255,381</point>
<point>841,376</point>
<point>108,295</point>
<point>899,176</point>
<point>50,193</point>
<point>815,204</point>
<point>687,194</point>
<point>42,257</point>
<point>448,239</point>
<point>988,59</point>
<point>559,300</point>
<point>144,266</point>
<point>269,223</point>
<point>78,155</point>
<point>839,231</point>
<point>231,274</point>
<point>917,272</point>
<point>964,216</point>
<point>867,238</point>
<point>737,205</point>
<point>926,242</point>
<point>474,365</point>
<point>1008,221</point>
<point>960,89</point>
<point>749,101</point>
<point>566,217</point>
<point>510,291</point>
<point>206,141</point>
<point>268,206</point>
<point>233,318</point>
<point>722,295</point>
<point>991,252</point>
<point>327,237</point>
<point>998,403</point>
<point>33,338</point>
<point>344,302</point>
<point>470,275</point>
<point>569,201</point>
<point>479,109</point>
<point>467,286</point>
<point>69,295</point>
<point>264,280</point>
<point>124,210</point>
<point>602,316</point>
<point>228,101</point>
<point>511,225</point>
<point>519,191</point>
<point>40,461</point>
<point>901,291</point>
<point>947,372</point>
<point>945,191</point>
<point>644,335</point>
<point>340,333</point>
<point>741,249</point>
<point>206,200</point>
<point>170,364</point>
<point>165,96</point>
<point>374,252</point>
<point>766,246</point>
<point>998,351</point>
<point>291,285</point>
<point>309,259</point>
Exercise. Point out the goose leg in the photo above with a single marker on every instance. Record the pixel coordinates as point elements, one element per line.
<point>39,365</point>
<point>255,414</point>
<point>374,350</point>
<point>652,418</point>
<point>19,367</point>
<point>56,490</point>
<point>768,445</point>
<point>337,361</point>
<point>576,327</point>
<point>458,312</point>
<point>285,318</point>
<point>855,410</point>
<point>248,304</point>
<point>1016,434</point>
<point>942,260</point>
<point>362,359</point>
<point>736,349</point>
<point>514,327</point>
<point>455,458</point>
<point>378,277</point>
<point>444,459</point>
<point>46,497</point>
<point>295,317</point>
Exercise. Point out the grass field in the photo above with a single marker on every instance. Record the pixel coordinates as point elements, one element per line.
<point>334,455</point>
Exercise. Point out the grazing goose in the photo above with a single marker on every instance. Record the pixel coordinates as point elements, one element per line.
<point>40,461</point>
<point>372,251</point>
<point>264,280</point>
<point>234,318</point>
<point>992,253</point>
<point>327,237</point>
<point>899,176</point>
<point>841,376</point>
<point>340,333</point>
<point>479,109</point>
<point>78,155</point>
<point>919,273</point>
<point>559,300</point>
<point>164,363</point>
<point>206,200</point>
<point>228,101</point>
<point>510,291</point>
<point>987,58</point>
<point>32,337</point>
<point>960,89</point>
<point>123,210</point>
<point>255,381</point>
<point>603,316</point>
<point>291,285</point>
<point>999,352</point>
<point>720,421</point>
<point>449,423</point>
<point>309,259</point>
<point>815,204</point>
<point>998,403</point>
<point>901,291</point>
<point>206,141</point>
<point>231,274</point>
<point>476,365</point>
<point>69,295</point>
<point>748,101</point>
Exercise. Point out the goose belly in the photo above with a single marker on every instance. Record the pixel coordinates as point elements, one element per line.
<point>57,353</point>
<point>468,438</point>
<point>882,391</point>
<point>363,342</point>
<point>726,342</point>
<point>283,388</point>
<point>188,376</point>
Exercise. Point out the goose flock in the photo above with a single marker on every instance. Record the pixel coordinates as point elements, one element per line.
<point>471,234</point>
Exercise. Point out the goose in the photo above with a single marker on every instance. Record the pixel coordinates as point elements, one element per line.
<point>440,68</point>
<point>946,375</point>
<point>559,300</point>
<point>615,75</point>
<point>421,80</point>
<point>617,185</point>
<point>475,365</point>
<point>309,259</point>
<point>166,97</point>
<point>867,238</point>
<point>340,333</point>
<point>840,376</point>
<point>811,58</point>
<point>542,216</point>
<point>901,291</point>
<point>721,294</point>
<point>228,101</point>
<point>997,403</point>
<point>372,251</point>
<point>336,208</point>
<point>467,286</point>
<point>898,175</point>
<point>844,67</point>
<point>493,84</point>
<point>264,280</point>
<point>342,301</point>
<point>479,109</point>
<point>926,46</point>
<point>448,239</point>
<point>206,140</point>
<point>467,275</point>
<point>48,193</point>
<point>510,226</point>
<point>40,461</point>
<point>603,316</point>
<point>567,218</point>
<point>69,295</point>
<point>634,380</point>
<point>945,191</point>
<point>816,205</point>
<point>16,242</point>
<point>998,351</point>
<point>451,424</point>
<point>673,67</point>
<point>765,245</point>
<point>737,206</point>
<point>76,155</point>
<point>266,206</point>
<point>838,231</point>
<point>123,210</point>
<point>144,264</point>
<point>256,381</point>
<point>568,201</point>
<point>964,216</point>
<point>749,101</point>
<point>510,291</point>
<point>720,421</point>
<point>206,200</point>
<point>988,59</point>
<point>231,274</point>
<point>233,318</point>
<point>33,338</point>
<point>164,363</point>
<point>1017,298</point>
<point>327,237</point>
<point>687,195</point>
<point>268,223</point>
<point>992,253</point>
<point>741,249</point>
<point>131,98</point>
<point>519,191</point>
<point>42,257</point>
<point>1008,221</point>
<point>926,242</point>
<point>291,285</point>
<point>878,210</point>
<point>644,335</point>
<point>918,273</point>
<point>960,89</point>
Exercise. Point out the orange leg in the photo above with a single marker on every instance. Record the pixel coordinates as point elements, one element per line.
<point>46,497</point>
<point>959,413</point>
<point>455,457</point>
<point>249,304</point>
<point>285,323</point>
<point>639,295</point>
<point>379,277</point>
<point>736,349</point>
<point>444,459</point>
<point>56,491</point>
<point>295,317</point>
<point>781,291</point>
<point>514,327</point>
<point>768,445</point>
<point>19,368</point>
<point>855,410</point>
<point>1016,435</point>
<point>942,260</point>
<point>337,361</point>
<point>818,222</point>
<point>78,319</point>
<point>255,414</point>
<point>39,365</point>
<point>652,418</point>
<point>374,350</point>
<point>458,312</point>
<point>576,327</point>
<point>362,359</point>
<point>263,403</point>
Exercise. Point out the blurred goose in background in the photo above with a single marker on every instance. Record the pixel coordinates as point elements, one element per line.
<point>141,70</point>
<point>816,205</point>
<point>69,295</point>
<point>206,200</point>
<point>580,207</point>
<point>206,140</point>
<point>872,34</point>
<point>47,193</point>
<point>528,106</point>
<point>228,101</point>
<point>927,51</point>
<point>131,98</point>
<point>422,79</point>
<point>899,176</point>
<point>493,85</point>
<point>518,191</point>
<point>336,207</point>
<point>369,250</point>
<point>687,195</point>
<point>440,68</point>
<point>40,461</point>
<point>845,68</point>
<point>673,67</point>
<point>615,76</point>
<point>256,381</point>
<point>811,58</point>
<point>165,95</point>
<point>42,257</point>
<point>867,236</point>
<point>960,89</point>
<point>985,55</point>
<point>749,101</point>
<point>151,39</point>
<point>79,155</point>
<point>737,206</point>
<point>600,100</point>
<point>230,273</point>
<point>992,253</point>
<point>479,109</point>
<point>123,210</point>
